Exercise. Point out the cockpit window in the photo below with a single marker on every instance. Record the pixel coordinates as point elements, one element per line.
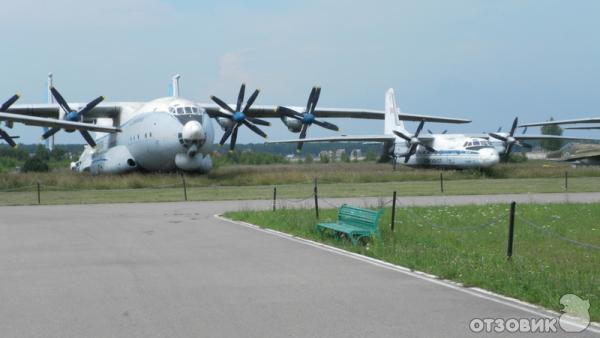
<point>195,110</point>
<point>180,110</point>
<point>188,110</point>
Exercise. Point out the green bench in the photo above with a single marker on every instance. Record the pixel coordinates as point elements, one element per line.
<point>356,223</point>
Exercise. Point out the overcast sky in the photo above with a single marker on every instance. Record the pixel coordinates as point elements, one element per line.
<point>488,61</point>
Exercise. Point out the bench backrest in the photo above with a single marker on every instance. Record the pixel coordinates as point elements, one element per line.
<point>363,218</point>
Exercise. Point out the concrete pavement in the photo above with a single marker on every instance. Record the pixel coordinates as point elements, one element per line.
<point>174,270</point>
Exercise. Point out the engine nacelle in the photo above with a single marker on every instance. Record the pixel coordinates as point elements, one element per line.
<point>292,124</point>
<point>224,123</point>
<point>117,160</point>
<point>197,163</point>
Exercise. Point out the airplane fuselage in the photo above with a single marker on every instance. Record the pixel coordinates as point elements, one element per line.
<point>454,151</point>
<point>166,134</point>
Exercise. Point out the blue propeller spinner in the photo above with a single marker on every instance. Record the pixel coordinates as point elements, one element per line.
<point>308,117</point>
<point>239,117</point>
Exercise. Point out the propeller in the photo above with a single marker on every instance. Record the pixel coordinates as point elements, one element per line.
<point>443,132</point>
<point>73,116</point>
<point>308,116</point>
<point>238,117</point>
<point>413,142</point>
<point>3,134</point>
<point>509,140</point>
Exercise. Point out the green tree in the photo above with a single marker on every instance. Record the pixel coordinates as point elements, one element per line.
<point>345,158</point>
<point>323,158</point>
<point>35,164</point>
<point>551,129</point>
<point>42,153</point>
<point>58,154</point>
<point>308,158</point>
<point>371,156</point>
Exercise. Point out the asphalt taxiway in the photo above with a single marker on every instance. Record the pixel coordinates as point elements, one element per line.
<point>175,270</point>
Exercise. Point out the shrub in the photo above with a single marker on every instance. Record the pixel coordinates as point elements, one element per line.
<point>35,164</point>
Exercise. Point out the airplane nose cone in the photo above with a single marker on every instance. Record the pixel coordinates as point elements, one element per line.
<point>489,157</point>
<point>193,133</point>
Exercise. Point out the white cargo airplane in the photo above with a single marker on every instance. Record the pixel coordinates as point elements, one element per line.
<point>169,133</point>
<point>458,151</point>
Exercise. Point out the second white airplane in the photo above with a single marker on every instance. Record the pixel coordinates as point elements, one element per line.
<point>456,151</point>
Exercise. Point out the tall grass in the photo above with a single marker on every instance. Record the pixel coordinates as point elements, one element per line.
<point>248,175</point>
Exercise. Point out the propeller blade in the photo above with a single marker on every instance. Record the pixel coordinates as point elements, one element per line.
<point>4,135</point>
<point>326,125</point>
<point>310,98</point>
<point>411,152</point>
<point>526,145</point>
<point>429,148</point>
<point>300,144</point>
<point>240,97</point>
<point>419,128</point>
<point>90,106</point>
<point>9,102</point>
<point>445,131</point>
<point>258,121</point>
<point>233,137</point>
<point>289,113</point>
<point>499,137</point>
<point>254,129</point>
<point>88,138</point>
<point>226,135</point>
<point>50,132</point>
<point>303,131</point>
<point>508,149</point>
<point>525,130</point>
<point>221,114</point>
<point>61,100</point>
<point>499,129</point>
<point>429,131</point>
<point>251,100</point>
<point>405,137</point>
<point>514,126</point>
<point>315,100</point>
<point>222,104</point>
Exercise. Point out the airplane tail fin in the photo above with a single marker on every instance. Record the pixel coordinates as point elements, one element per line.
<point>392,122</point>
<point>175,86</point>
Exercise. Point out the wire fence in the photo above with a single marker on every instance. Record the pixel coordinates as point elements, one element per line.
<point>548,232</point>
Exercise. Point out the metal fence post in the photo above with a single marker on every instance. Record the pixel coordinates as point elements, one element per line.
<point>184,187</point>
<point>393,211</point>
<point>274,198</point>
<point>38,193</point>
<point>442,182</point>
<point>316,193</point>
<point>511,230</point>
<point>566,180</point>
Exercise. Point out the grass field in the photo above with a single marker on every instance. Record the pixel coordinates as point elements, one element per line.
<point>174,192</point>
<point>254,175</point>
<point>468,244</point>
<point>292,181</point>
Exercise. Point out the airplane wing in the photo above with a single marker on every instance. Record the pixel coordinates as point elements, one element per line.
<point>50,122</point>
<point>51,110</point>
<point>342,138</point>
<point>584,120</point>
<point>582,128</point>
<point>553,137</point>
<point>368,114</point>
